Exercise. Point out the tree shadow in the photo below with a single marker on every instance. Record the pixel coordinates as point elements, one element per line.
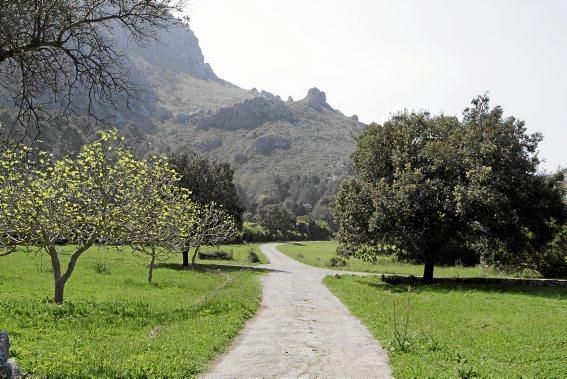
<point>209,267</point>
<point>448,286</point>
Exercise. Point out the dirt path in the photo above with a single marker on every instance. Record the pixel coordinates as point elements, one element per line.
<point>301,330</point>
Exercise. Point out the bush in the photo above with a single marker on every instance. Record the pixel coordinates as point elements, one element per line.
<point>337,262</point>
<point>252,256</point>
<point>216,255</point>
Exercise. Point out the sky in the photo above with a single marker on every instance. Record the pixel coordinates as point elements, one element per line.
<point>374,58</point>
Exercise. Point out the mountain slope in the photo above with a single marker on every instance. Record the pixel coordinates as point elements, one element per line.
<point>259,133</point>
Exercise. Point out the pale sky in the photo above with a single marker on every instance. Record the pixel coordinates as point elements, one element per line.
<point>376,57</point>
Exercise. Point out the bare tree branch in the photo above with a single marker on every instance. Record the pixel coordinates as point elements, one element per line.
<point>59,58</point>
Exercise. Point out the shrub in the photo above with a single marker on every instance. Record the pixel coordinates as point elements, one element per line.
<point>216,255</point>
<point>337,262</point>
<point>252,256</point>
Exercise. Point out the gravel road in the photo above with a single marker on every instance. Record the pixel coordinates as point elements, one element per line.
<point>301,330</point>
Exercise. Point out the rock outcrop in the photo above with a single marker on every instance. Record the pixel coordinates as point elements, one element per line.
<point>177,50</point>
<point>8,367</point>
<point>249,114</point>
<point>268,143</point>
<point>209,144</point>
<point>317,99</point>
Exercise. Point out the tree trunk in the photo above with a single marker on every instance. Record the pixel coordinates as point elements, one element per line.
<point>194,257</point>
<point>428,271</point>
<point>151,270</point>
<point>59,277</point>
<point>185,253</point>
<point>59,291</point>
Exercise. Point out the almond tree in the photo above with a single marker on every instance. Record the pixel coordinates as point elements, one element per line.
<point>16,172</point>
<point>212,226</point>
<point>81,200</point>
<point>164,213</point>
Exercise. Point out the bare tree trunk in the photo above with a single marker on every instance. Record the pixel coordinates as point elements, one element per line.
<point>59,283</point>
<point>185,253</point>
<point>59,277</point>
<point>152,263</point>
<point>194,257</point>
<point>428,271</point>
<point>59,291</point>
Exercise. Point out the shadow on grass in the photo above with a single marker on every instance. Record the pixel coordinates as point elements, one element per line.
<point>540,291</point>
<point>207,267</point>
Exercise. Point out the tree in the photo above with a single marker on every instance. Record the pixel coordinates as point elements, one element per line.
<point>164,213</point>
<point>212,226</point>
<point>208,182</point>
<point>426,185</point>
<point>277,219</point>
<point>79,200</point>
<point>59,57</point>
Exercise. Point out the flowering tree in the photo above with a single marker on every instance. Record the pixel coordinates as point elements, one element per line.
<point>164,213</point>
<point>212,226</point>
<point>81,200</point>
<point>16,173</point>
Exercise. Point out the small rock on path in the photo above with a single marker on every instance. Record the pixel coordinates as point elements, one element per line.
<point>301,330</point>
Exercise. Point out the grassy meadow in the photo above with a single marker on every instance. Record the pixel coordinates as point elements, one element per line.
<point>115,324</point>
<point>319,254</point>
<point>466,331</point>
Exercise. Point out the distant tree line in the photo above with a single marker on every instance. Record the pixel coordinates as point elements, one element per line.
<point>297,207</point>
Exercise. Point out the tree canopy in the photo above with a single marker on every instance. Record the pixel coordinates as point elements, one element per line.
<point>435,187</point>
<point>209,182</point>
<point>103,195</point>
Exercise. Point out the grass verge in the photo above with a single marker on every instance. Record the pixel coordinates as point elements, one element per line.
<point>115,324</point>
<point>462,331</point>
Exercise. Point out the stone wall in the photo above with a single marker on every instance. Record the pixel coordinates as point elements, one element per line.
<point>401,279</point>
<point>8,367</point>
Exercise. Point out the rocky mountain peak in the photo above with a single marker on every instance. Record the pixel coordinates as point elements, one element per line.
<point>177,50</point>
<point>316,98</point>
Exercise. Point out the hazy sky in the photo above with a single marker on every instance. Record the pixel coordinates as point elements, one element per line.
<point>376,57</point>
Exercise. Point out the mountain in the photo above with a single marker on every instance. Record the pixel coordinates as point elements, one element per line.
<point>261,135</point>
<point>184,105</point>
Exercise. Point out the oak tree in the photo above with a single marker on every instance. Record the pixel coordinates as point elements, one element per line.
<point>431,186</point>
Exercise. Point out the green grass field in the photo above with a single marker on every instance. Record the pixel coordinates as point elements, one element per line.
<point>463,331</point>
<point>115,324</point>
<point>319,254</point>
